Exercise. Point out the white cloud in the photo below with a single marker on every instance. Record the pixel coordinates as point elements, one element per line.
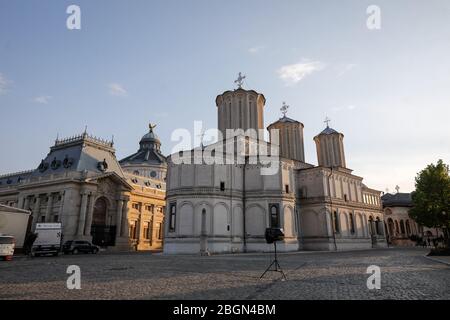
<point>4,84</point>
<point>293,73</point>
<point>349,107</point>
<point>255,50</point>
<point>116,89</point>
<point>344,68</point>
<point>42,99</point>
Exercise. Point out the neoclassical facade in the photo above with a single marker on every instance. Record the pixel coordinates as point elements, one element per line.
<point>226,207</point>
<point>80,183</point>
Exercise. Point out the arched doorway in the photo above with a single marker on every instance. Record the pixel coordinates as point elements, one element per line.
<point>102,234</point>
<point>391,227</point>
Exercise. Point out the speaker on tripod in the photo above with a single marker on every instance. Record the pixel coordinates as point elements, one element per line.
<point>272,236</point>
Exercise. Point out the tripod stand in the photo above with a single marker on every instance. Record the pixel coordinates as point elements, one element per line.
<point>275,264</point>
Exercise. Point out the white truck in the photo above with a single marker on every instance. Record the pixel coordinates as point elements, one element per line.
<point>13,224</point>
<point>48,239</point>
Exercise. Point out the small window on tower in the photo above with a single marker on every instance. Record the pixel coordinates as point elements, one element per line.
<point>222,186</point>
<point>286,188</point>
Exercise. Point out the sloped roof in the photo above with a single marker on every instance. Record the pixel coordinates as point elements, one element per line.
<point>397,200</point>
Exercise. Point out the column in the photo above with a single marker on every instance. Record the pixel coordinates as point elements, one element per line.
<point>139,227</point>
<point>37,204</point>
<point>82,216</point>
<point>119,218</point>
<point>48,212</point>
<point>61,207</point>
<point>20,203</point>
<point>90,214</point>
<point>26,204</point>
<point>125,219</point>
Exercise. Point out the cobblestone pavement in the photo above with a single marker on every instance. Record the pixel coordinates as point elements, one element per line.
<point>405,274</point>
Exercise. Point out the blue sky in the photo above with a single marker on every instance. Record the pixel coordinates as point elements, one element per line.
<point>132,62</point>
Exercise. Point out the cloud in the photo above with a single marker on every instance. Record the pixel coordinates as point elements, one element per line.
<point>293,73</point>
<point>349,108</point>
<point>42,99</point>
<point>116,89</point>
<point>4,84</point>
<point>255,50</point>
<point>344,68</point>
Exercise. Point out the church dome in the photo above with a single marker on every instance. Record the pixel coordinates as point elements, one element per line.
<point>328,130</point>
<point>149,151</point>
<point>150,136</point>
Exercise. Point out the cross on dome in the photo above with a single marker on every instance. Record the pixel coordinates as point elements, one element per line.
<point>240,80</point>
<point>284,109</point>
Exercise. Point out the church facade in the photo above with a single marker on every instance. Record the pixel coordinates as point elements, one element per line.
<point>115,204</point>
<point>226,207</point>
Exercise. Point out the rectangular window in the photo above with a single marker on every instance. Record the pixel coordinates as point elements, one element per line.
<point>55,218</point>
<point>286,188</point>
<point>132,234</point>
<point>147,230</point>
<point>222,186</point>
<point>42,218</point>
<point>172,217</point>
<point>274,210</point>
<point>159,230</point>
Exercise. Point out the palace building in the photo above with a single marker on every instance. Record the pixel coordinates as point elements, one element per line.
<point>226,207</point>
<point>80,183</point>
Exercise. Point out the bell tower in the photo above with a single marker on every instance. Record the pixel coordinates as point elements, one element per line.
<point>290,136</point>
<point>330,147</point>
<point>240,109</point>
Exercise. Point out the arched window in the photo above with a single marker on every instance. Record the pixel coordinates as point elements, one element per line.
<point>99,214</point>
<point>274,215</point>
<point>172,217</point>
<point>402,227</point>
<point>408,228</point>
<point>352,224</point>
<point>336,222</point>
<point>397,230</point>
<point>371,231</point>
<point>391,227</point>
<point>378,226</point>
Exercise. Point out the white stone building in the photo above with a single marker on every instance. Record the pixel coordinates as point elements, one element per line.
<point>221,208</point>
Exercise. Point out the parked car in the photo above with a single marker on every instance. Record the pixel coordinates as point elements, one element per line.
<point>7,244</point>
<point>76,246</point>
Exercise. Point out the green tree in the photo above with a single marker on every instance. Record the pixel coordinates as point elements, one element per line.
<point>431,199</point>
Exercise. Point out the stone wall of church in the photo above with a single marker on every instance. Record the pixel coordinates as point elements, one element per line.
<point>211,204</point>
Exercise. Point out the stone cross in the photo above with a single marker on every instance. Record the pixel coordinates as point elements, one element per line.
<point>327,120</point>
<point>239,81</point>
<point>284,109</point>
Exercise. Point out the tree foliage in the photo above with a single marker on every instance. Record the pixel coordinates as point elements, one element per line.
<point>431,199</point>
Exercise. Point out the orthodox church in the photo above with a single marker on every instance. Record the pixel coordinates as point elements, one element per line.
<point>226,207</point>
<point>81,184</point>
